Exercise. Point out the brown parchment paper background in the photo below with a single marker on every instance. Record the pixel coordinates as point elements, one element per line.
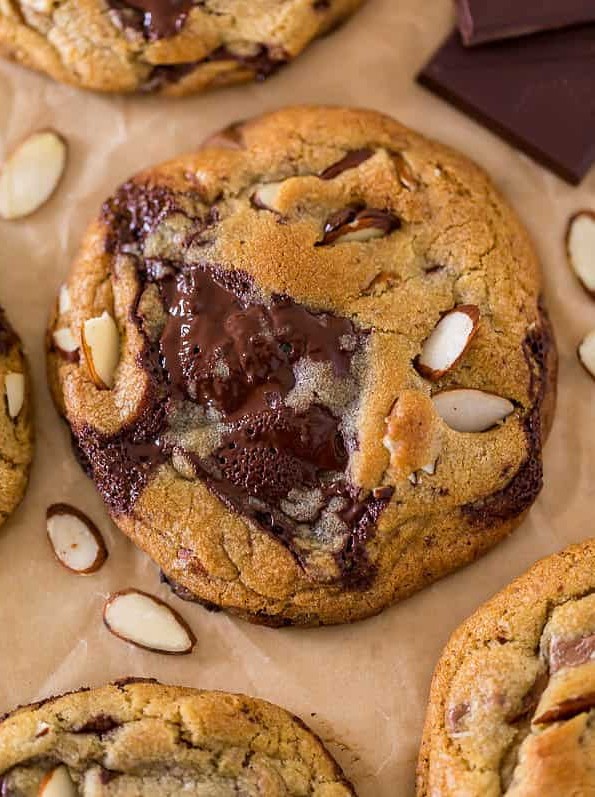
<point>363,688</point>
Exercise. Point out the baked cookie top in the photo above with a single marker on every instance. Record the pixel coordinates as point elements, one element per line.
<point>270,434</point>
<point>16,429</point>
<point>171,47</point>
<point>512,704</point>
<point>141,738</point>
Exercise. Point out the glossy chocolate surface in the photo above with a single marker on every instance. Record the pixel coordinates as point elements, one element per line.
<point>487,20</point>
<point>535,92</point>
<point>232,363</point>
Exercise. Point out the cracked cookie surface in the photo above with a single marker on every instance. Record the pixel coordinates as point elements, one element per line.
<point>171,47</point>
<point>16,427</point>
<point>141,738</point>
<point>512,704</point>
<point>267,436</point>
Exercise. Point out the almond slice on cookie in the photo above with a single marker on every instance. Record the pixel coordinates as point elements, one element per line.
<point>352,224</point>
<point>266,195</point>
<point>57,783</point>
<point>147,622</point>
<point>471,410</point>
<point>65,343</point>
<point>14,388</point>
<point>101,346</point>
<point>448,341</point>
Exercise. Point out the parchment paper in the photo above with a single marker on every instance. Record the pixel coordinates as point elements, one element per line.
<point>363,688</point>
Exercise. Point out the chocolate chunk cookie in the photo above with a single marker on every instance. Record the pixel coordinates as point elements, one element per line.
<point>141,738</point>
<point>307,366</point>
<point>16,427</point>
<point>512,704</point>
<point>171,47</point>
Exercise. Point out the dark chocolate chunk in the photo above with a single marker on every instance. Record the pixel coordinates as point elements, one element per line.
<point>537,93</point>
<point>156,19</point>
<point>264,61</point>
<point>488,20</point>
<point>99,725</point>
<point>353,159</point>
<point>167,74</point>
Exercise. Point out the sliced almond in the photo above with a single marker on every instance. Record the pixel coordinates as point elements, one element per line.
<point>470,410</point>
<point>57,783</point>
<point>266,196</point>
<point>64,303</point>
<point>580,247</point>
<point>354,224</point>
<point>413,435</point>
<point>65,343</point>
<point>448,341</point>
<point>14,387</point>
<point>147,622</point>
<point>31,174</point>
<point>586,353</point>
<point>101,346</point>
<point>76,540</point>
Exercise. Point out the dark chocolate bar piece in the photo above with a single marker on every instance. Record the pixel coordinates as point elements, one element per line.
<point>538,93</point>
<point>488,20</point>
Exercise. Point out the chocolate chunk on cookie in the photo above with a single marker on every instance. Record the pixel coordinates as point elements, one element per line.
<point>139,737</point>
<point>16,425</point>
<point>314,373</point>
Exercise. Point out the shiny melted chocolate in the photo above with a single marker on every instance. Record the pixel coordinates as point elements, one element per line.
<point>228,356</point>
<point>157,19</point>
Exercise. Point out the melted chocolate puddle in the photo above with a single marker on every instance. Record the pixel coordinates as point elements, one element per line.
<point>226,365</point>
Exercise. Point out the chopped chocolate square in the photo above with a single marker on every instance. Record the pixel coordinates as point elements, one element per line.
<point>538,93</point>
<point>488,20</point>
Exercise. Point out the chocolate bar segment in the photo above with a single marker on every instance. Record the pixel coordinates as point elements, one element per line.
<point>538,93</point>
<point>488,20</point>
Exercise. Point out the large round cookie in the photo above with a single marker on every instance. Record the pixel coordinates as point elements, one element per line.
<point>268,435</point>
<point>141,738</point>
<point>512,704</point>
<point>16,426</point>
<point>171,47</point>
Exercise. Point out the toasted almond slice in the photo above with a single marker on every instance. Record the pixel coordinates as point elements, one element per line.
<point>266,196</point>
<point>31,174</point>
<point>57,783</point>
<point>470,410</point>
<point>580,247</point>
<point>101,345</point>
<point>586,353</point>
<point>14,387</point>
<point>147,622</point>
<point>64,302</point>
<point>76,540</point>
<point>65,342</point>
<point>448,341</point>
